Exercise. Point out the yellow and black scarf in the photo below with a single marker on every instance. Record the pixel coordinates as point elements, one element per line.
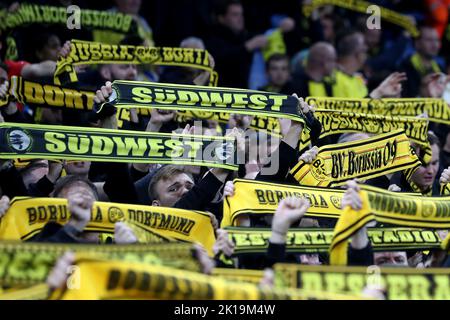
<point>317,240</point>
<point>388,207</point>
<point>109,280</point>
<point>19,140</point>
<point>436,109</point>
<point>335,122</point>
<point>25,264</point>
<point>86,52</point>
<point>27,217</point>
<point>398,283</point>
<point>259,198</point>
<point>136,94</point>
<point>361,6</point>
<point>362,159</point>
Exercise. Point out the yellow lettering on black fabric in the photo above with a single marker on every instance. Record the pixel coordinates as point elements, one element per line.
<point>33,13</point>
<point>361,6</point>
<point>335,122</point>
<point>399,283</point>
<point>86,52</point>
<point>134,94</point>
<point>436,109</point>
<point>30,141</point>
<point>316,240</point>
<point>30,263</point>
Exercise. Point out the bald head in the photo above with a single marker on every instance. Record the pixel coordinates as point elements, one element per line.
<point>322,58</point>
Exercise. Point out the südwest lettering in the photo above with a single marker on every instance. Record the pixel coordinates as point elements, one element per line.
<point>207,99</point>
<point>58,142</point>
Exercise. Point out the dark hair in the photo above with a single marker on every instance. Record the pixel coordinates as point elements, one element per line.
<point>276,57</point>
<point>69,180</point>
<point>221,6</point>
<point>346,42</point>
<point>163,173</point>
<point>433,139</point>
<point>33,165</point>
<point>42,39</point>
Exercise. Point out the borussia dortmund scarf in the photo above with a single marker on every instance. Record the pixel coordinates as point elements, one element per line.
<point>317,240</point>
<point>335,122</point>
<point>108,280</point>
<point>19,140</point>
<point>362,159</point>
<point>259,198</point>
<point>361,6</point>
<point>136,94</point>
<point>399,283</point>
<point>388,207</point>
<point>28,92</point>
<point>86,52</point>
<point>436,109</point>
<point>30,263</point>
<point>33,13</point>
<point>27,216</point>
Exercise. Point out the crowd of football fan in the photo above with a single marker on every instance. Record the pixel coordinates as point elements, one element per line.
<point>331,53</point>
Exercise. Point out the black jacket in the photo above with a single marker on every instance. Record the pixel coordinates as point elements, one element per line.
<point>232,59</point>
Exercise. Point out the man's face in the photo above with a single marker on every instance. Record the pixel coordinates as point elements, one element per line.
<point>328,29</point>
<point>34,176</point>
<point>171,190</point>
<point>330,62</point>
<point>234,18</point>
<point>398,259</point>
<point>123,71</point>
<point>278,72</point>
<point>361,50</point>
<point>78,168</point>
<point>3,76</point>
<point>424,176</point>
<point>428,44</point>
<point>50,50</point>
<point>372,37</point>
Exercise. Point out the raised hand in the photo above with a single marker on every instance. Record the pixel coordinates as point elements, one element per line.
<point>391,87</point>
<point>223,243</point>
<point>289,210</point>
